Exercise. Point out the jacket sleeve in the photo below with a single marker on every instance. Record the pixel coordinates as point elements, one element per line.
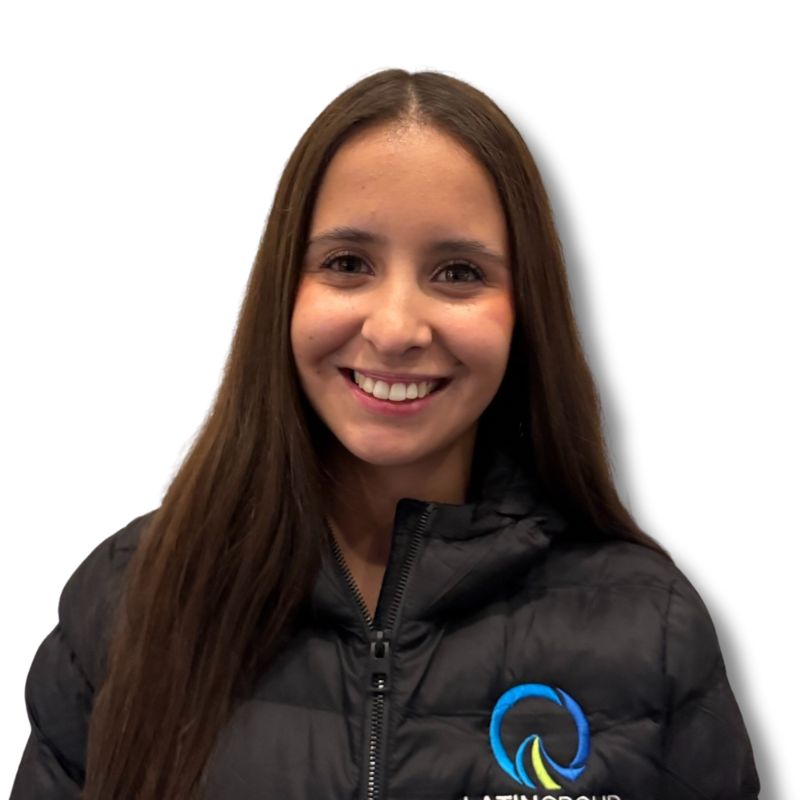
<point>58,698</point>
<point>707,753</point>
<point>67,669</point>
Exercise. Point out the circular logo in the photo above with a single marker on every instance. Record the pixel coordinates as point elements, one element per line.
<point>531,751</point>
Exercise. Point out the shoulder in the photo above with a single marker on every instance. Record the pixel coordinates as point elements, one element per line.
<point>637,572</point>
<point>634,578</point>
<point>90,595</point>
<point>634,570</point>
<point>614,563</point>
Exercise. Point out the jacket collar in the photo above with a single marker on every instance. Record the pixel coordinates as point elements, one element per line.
<point>469,553</point>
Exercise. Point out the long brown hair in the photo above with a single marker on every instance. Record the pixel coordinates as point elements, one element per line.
<point>229,557</point>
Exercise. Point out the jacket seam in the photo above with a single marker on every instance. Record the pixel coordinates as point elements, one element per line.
<point>615,585</point>
<point>74,660</point>
<point>412,714</point>
<point>305,707</point>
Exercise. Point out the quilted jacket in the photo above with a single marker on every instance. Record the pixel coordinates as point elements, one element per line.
<point>508,658</point>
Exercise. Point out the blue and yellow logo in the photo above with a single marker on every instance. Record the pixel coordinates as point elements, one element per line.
<point>539,760</point>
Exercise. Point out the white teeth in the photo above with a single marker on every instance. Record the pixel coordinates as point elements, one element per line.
<point>396,392</point>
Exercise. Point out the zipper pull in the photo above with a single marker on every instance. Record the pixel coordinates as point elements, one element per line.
<point>379,652</point>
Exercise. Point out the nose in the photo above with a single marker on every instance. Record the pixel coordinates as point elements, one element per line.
<point>397,318</point>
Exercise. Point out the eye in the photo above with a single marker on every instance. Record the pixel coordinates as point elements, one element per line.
<point>351,257</point>
<point>460,267</point>
<point>474,274</point>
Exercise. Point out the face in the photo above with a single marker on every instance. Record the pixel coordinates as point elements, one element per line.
<point>388,291</point>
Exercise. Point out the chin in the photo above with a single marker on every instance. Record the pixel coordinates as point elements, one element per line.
<point>384,455</point>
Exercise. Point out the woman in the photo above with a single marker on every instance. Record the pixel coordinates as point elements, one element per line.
<point>394,563</point>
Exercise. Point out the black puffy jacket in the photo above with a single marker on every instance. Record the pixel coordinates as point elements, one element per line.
<point>507,659</point>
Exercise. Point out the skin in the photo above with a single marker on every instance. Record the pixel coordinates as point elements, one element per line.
<point>392,307</point>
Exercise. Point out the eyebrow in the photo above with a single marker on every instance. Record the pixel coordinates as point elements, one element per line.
<point>347,233</point>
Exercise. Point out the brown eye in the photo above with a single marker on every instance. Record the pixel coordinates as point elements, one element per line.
<point>349,259</point>
<point>462,268</point>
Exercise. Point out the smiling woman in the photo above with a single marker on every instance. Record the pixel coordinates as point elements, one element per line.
<point>402,325</point>
<point>394,563</point>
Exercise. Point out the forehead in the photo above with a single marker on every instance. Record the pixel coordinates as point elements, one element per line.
<point>417,182</point>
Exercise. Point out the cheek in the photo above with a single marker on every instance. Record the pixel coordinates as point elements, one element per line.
<point>317,327</point>
<point>480,336</point>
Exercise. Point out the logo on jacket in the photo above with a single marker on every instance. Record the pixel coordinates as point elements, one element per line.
<point>531,753</point>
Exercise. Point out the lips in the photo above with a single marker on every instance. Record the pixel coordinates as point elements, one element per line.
<point>440,383</point>
<point>390,378</point>
<point>390,408</point>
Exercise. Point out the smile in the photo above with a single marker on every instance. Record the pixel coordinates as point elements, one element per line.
<point>395,399</point>
<point>396,392</point>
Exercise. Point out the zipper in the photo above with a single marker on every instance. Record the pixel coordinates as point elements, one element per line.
<point>379,655</point>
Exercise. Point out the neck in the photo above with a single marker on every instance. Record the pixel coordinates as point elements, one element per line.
<point>361,506</point>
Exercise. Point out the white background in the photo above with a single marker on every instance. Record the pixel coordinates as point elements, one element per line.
<point>139,153</point>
